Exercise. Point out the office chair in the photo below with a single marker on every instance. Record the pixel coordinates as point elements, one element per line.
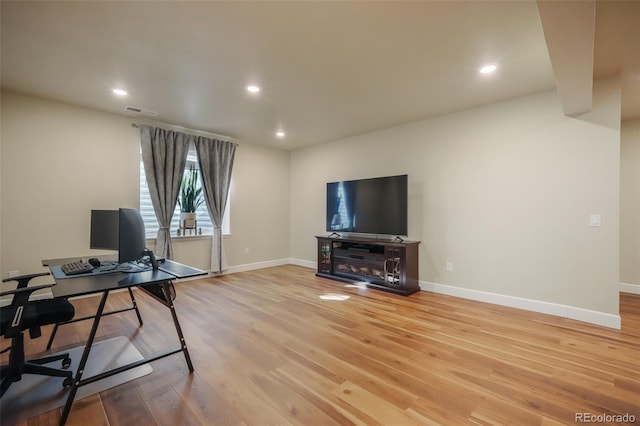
<point>23,315</point>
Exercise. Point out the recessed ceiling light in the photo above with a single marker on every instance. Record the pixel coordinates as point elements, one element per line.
<point>488,69</point>
<point>280,134</point>
<point>253,89</point>
<point>120,92</point>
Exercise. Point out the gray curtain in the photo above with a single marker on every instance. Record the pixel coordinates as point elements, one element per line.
<point>164,155</point>
<point>216,164</point>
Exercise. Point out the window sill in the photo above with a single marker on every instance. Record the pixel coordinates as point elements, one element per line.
<point>191,237</point>
<point>175,238</point>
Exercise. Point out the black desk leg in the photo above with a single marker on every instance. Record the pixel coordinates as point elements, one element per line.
<point>183,343</point>
<point>135,306</point>
<point>83,360</point>
<point>53,334</point>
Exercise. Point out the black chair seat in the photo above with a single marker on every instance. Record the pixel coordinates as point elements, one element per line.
<point>38,313</point>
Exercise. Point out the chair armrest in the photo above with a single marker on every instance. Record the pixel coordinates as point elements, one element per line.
<point>23,280</point>
<point>27,290</point>
<point>20,300</point>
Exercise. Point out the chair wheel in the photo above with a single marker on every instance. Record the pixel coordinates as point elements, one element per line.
<point>66,362</point>
<point>67,382</point>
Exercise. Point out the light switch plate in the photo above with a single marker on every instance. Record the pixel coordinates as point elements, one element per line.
<point>595,220</point>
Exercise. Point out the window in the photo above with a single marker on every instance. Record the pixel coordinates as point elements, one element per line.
<point>202,215</point>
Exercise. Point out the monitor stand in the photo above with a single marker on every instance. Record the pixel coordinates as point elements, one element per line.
<point>152,259</point>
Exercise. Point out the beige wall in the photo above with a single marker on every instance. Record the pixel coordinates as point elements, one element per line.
<point>504,192</point>
<point>630,203</point>
<point>259,214</point>
<point>260,225</point>
<point>1,96</point>
<point>60,161</point>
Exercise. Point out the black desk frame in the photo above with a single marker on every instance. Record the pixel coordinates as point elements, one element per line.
<point>165,282</point>
<point>133,307</point>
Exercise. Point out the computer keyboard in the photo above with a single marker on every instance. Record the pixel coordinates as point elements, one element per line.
<point>77,267</point>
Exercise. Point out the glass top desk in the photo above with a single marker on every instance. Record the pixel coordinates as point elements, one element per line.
<point>158,284</point>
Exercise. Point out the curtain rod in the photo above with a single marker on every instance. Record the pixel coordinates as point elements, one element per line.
<point>185,129</point>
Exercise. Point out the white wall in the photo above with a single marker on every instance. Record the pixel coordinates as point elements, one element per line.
<point>503,191</point>
<point>60,161</point>
<point>630,205</point>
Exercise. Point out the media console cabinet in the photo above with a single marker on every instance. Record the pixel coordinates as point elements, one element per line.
<point>386,265</point>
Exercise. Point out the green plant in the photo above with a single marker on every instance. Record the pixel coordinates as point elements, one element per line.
<point>190,195</point>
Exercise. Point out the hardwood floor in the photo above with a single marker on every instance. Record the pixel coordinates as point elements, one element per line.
<point>281,346</point>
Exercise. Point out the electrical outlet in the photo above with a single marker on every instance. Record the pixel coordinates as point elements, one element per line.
<point>448,267</point>
<point>13,274</point>
<point>594,220</point>
<point>246,250</point>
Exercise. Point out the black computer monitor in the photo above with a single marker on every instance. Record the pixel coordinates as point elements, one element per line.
<point>104,229</point>
<point>132,239</point>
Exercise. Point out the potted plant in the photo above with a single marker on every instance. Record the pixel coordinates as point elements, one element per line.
<point>190,199</point>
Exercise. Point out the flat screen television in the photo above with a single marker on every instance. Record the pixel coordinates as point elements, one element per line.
<point>368,206</point>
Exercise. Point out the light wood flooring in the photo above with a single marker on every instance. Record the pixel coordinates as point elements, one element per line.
<point>278,346</point>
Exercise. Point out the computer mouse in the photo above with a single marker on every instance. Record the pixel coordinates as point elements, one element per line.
<point>95,262</point>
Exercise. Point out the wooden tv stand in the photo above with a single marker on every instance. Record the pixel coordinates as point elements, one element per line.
<point>385,265</point>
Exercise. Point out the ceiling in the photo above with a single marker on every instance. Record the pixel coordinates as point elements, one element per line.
<point>327,70</point>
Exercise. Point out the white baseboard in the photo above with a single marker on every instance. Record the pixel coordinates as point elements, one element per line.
<point>257,265</point>
<point>629,288</point>
<point>269,264</point>
<point>565,311</point>
<point>304,263</point>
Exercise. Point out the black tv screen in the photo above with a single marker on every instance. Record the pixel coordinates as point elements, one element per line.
<point>368,206</point>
